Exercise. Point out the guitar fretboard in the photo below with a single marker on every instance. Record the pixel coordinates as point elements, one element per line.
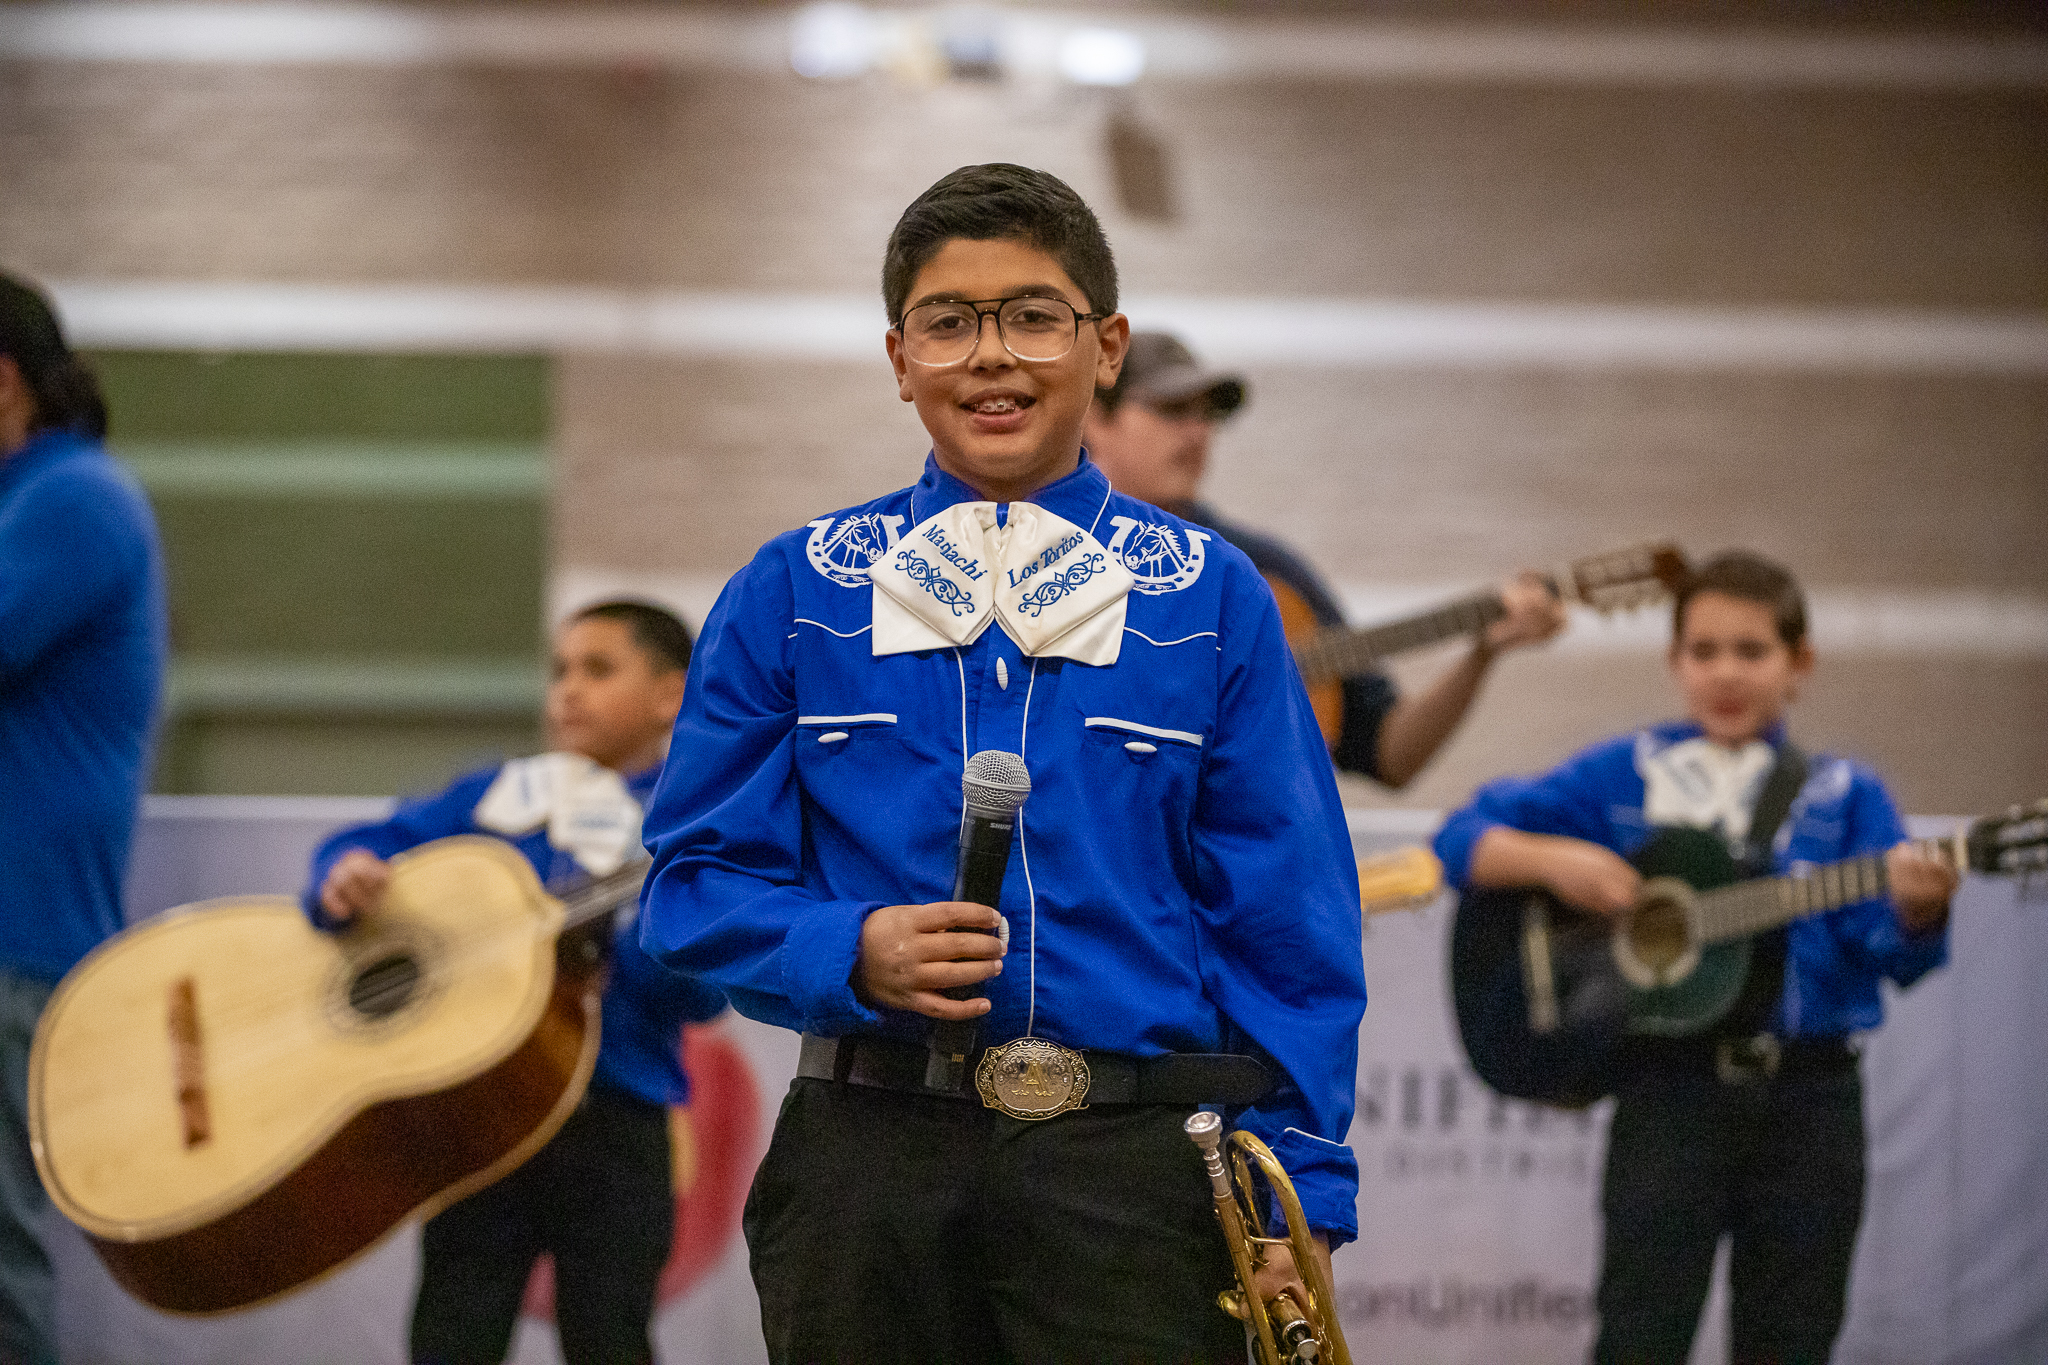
<point>1342,651</point>
<point>1731,912</point>
<point>599,897</point>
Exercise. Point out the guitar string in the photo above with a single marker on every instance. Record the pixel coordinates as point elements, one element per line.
<point>1342,649</point>
<point>1732,912</point>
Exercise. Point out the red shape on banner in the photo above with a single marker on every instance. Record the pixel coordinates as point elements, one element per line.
<point>724,1124</point>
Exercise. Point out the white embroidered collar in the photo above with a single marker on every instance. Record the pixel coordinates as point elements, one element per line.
<point>1699,783</point>
<point>1051,586</point>
<point>588,811</point>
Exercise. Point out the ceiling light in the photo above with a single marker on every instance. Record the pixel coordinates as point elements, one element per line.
<point>1102,56</point>
<point>832,41</point>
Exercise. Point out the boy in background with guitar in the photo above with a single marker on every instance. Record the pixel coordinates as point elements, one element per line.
<point>1150,433</point>
<point>599,1195</point>
<point>1754,1126</point>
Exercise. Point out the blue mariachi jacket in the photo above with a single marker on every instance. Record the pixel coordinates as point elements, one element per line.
<point>645,1005</point>
<point>1181,879</point>
<point>82,646</point>
<point>1832,961</point>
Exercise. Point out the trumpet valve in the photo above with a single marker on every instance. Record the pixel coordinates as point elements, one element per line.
<point>1291,1329</point>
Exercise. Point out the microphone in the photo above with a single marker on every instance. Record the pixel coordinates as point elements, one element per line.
<point>994,785</point>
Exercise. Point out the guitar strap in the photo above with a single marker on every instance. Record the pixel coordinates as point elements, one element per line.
<point>1755,1007</point>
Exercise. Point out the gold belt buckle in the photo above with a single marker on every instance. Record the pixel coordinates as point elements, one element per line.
<point>1032,1078</point>
<point>1745,1061</point>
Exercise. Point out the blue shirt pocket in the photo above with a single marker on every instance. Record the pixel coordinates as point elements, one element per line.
<point>834,735</point>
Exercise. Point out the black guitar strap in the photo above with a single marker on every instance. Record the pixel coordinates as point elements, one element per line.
<point>1753,1009</point>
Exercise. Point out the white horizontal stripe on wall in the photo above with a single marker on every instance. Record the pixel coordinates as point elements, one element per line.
<point>1236,331</point>
<point>1927,623</point>
<point>1176,46</point>
<point>388,35</point>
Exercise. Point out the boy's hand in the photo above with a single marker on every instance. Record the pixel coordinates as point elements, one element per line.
<point>354,884</point>
<point>1534,614</point>
<point>1280,1273</point>
<point>1583,874</point>
<point>908,956</point>
<point>1591,877</point>
<point>1921,888</point>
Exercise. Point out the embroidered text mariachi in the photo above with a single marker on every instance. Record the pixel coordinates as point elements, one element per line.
<point>934,581</point>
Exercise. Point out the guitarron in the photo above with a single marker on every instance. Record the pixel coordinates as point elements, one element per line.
<point>230,1102</point>
<point>1544,993</point>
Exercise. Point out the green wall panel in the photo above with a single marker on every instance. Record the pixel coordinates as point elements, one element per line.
<point>356,549</point>
<point>175,395</point>
<point>354,575</point>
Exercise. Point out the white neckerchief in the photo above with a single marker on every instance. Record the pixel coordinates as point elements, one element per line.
<point>1052,586</point>
<point>588,811</point>
<point>1701,784</point>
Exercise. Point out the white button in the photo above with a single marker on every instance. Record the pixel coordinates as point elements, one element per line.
<point>1139,746</point>
<point>1002,674</point>
<point>832,738</point>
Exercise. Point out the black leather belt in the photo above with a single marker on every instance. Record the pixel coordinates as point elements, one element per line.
<point>1745,1061</point>
<point>1114,1077</point>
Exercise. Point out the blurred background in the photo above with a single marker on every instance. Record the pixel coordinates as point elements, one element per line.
<point>422,324</point>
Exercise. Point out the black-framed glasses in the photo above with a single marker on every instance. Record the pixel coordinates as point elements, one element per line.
<point>1030,326</point>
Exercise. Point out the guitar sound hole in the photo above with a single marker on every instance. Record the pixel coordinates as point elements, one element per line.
<point>1657,931</point>
<point>384,987</point>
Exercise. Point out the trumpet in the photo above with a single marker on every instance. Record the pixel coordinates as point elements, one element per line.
<point>1284,1332</point>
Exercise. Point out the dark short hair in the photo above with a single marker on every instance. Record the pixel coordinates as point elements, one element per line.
<point>66,393</point>
<point>659,632</point>
<point>1750,578</point>
<point>1000,202</point>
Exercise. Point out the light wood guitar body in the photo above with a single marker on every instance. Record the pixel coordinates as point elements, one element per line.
<point>1400,879</point>
<point>230,1102</point>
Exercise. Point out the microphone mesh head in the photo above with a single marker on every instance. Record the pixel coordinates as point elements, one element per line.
<point>995,784</point>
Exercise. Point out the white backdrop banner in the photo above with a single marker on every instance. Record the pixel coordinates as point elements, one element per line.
<point>1479,1217</point>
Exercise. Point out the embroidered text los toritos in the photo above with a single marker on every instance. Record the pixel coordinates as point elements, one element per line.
<point>1046,557</point>
<point>971,567</point>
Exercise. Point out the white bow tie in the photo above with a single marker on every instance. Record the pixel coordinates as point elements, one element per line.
<point>588,811</point>
<point>1050,585</point>
<point>1701,784</point>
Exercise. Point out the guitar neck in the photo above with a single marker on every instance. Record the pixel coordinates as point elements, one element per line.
<point>598,898</point>
<point>1342,651</point>
<point>1732,912</point>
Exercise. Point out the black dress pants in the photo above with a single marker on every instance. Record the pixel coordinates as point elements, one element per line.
<point>1778,1165</point>
<point>600,1197</point>
<point>888,1227</point>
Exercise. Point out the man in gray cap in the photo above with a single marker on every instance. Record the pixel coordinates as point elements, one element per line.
<point>1151,433</point>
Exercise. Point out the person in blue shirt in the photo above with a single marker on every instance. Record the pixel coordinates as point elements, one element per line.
<point>1178,922</point>
<point>599,1195</point>
<point>1151,430</point>
<point>82,644</point>
<point>1755,1130</point>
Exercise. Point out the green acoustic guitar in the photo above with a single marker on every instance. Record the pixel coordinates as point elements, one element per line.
<point>1544,992</point>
